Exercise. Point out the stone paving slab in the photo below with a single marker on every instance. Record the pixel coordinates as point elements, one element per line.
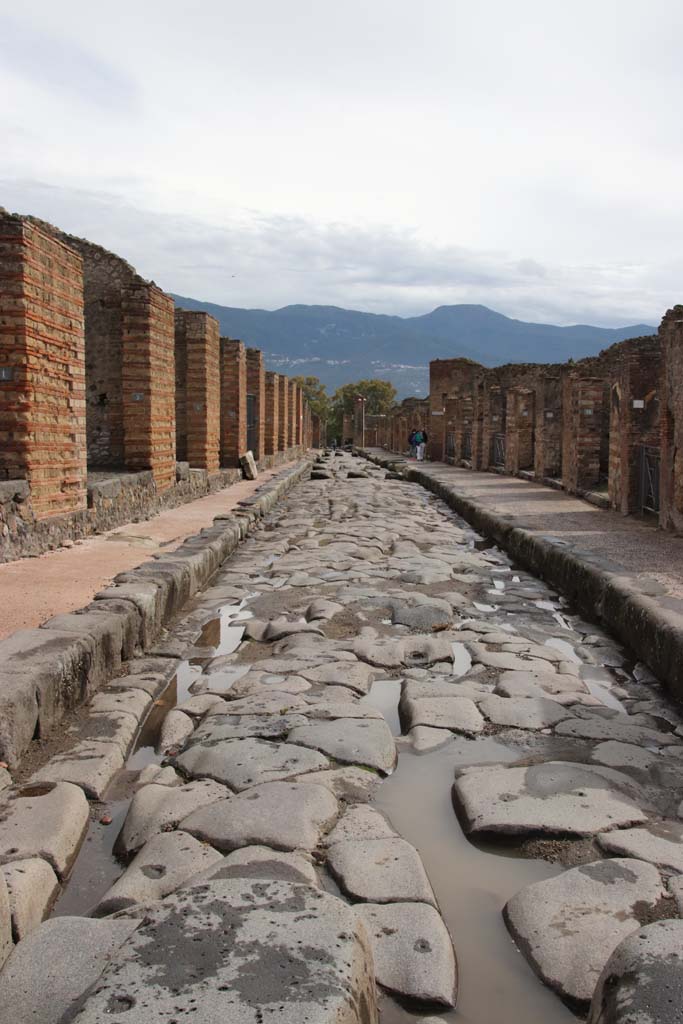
<point>235,950</point>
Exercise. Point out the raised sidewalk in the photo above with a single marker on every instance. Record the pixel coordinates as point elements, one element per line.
<point>616,569</point>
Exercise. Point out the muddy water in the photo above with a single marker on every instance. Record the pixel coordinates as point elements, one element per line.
<point>472,884</point>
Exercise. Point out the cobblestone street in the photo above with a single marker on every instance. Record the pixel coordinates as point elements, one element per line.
<point>375,770</point>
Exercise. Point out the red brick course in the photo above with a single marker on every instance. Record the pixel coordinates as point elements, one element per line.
<point>42,356</point>
<point>283,414</point>
<point>272,420</point>
<point>256,386</point>
<point>198,389</point>
<point>233,401</point>
<point>292,408</point>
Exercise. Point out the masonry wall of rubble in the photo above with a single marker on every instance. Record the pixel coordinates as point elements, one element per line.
<point>602,426</point>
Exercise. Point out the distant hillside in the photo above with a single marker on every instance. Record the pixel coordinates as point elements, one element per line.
<point>341,345</point>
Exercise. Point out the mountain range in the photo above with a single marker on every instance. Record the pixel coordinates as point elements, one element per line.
<point>341,345</point>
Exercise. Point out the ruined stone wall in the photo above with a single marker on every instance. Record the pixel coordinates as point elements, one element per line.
<point>292,409</point>
<point>42,367</point>
<point>520,429</point>
<point>283,414</point>
<point>233,401</point>
<point>198,389</point>
<point>671,479</point>
<point>448,379</point>
<point>272,418</point>
<point>548,440</point>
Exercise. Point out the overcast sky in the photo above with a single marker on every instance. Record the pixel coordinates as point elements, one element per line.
<point>388,155</point>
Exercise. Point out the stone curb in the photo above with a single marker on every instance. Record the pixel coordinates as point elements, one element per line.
<point>46,671</point>
<point>641,621</point>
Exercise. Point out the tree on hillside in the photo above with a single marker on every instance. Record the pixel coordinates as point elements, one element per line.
<point>316,396</point>
<point>380,396</point>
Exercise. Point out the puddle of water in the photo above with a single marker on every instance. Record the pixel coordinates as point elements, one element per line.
<point>561,621</point>
<point>384,695</point>
<point>96,868</point>
<point>564,647</point>
<point>471,885</point>
<point>499,585</point>
<point>603,694</point>
<point>485,607</point>
<point>462,662</point>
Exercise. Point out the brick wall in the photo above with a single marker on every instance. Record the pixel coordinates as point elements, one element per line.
<point>448,379</point>
<point>272,421</point>
<point>299,416</point>
<point>283,414</point>
<point>148,381</point>
<point>42,356</point>
<point>198,389</point>
<point>583,403</point>
<point>233,401</point>
<point>671,478</point>
<point>256,386</point>
<point>292,405</point>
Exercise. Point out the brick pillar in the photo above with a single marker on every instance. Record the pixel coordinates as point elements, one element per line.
<point>582,432</point>
<point>493,408</point>
<point>272,413</point>
<point>198,389</point>
<point>148,379</point>
<point>548,447</point>
<point>300,417</point>
<point>42,367</point>
<point>283,414</point>
<point>233,401</point>
<point>291,412</point>
<point>256,386</point>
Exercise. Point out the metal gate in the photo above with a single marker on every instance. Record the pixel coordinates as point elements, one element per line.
<point>252,423</point>
<point>498,450</point>
<point>467,444</point>
<point>649,479</point>
<point>450,446</point>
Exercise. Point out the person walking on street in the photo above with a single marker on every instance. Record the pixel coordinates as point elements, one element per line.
<point>412,444</point>
<point>419,445</point>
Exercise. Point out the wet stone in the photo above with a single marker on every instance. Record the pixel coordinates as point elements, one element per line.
<point>424,737</point>
<point>241,764</point>
<point>284,815</point>
<point>412,951</point>
<point>568,927</point>
<point>360,823</point>
<point>614,754</point>
<point>380,871</point>
<point>352,784</point>
<point>281,947</point>
<point>554,798</point>
<point>599,728</point>
<point>642,982</point>
<point>162,865</point>
<point>355,675</point>
<point>89,765</point>
<point>176,728</point>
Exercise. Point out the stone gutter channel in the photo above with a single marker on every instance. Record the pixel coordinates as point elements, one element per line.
<point>257,819</point>
<point>634,610</point>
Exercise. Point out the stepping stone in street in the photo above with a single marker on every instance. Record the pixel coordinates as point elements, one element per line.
<point>350,741</point>
<point>380,871</point>
<point>459,714</point>
<point>412,951</point>
<point>240,764</point>
<point>91,765</point>
<point>568,926</point>
<point>409,651</point>
<point>284,815</point>
<point>349,783</point>
<point>49,971</point>
<point>522,712</point>
<point>234,951</point>
<point>162,865</point>
<point>233,727</point>
<point>154,808</point>
<point>642,982</point>
<point>659,843</point>
<point>554,798</point>
<point>614,754</point>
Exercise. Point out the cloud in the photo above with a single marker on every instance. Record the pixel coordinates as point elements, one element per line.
<point>258,260</point>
